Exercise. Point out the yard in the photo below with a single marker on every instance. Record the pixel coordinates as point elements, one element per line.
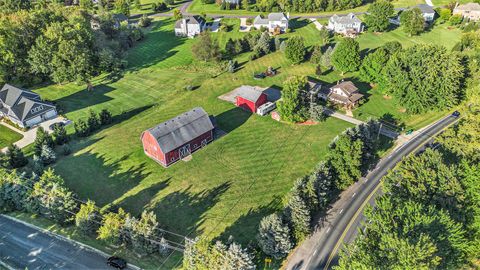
<point>228,186</point>
<point>8,136</point>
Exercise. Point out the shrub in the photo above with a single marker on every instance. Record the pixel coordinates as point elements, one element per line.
<point>15,157</point>
<point>144,21</point>
<point>105,117</point>
<point>81,128</point>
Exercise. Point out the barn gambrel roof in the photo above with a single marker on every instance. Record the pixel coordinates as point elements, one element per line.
<point>181,129</point>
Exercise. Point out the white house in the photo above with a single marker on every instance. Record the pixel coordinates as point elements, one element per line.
<point>190,26</point>
<point>470,11</point>
<point>23,107</point>
<point>347,25</point>
<point>427,12</point>
<point>273,22</point>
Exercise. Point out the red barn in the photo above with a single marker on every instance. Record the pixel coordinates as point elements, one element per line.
<point>178,137</point>
<point>250,98</point>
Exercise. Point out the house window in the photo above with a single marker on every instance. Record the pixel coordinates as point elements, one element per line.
<point>36,109</point>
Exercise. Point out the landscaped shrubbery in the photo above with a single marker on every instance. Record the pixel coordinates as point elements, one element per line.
<point>93,123</point>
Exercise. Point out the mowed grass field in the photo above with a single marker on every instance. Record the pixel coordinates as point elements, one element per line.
<point>8,136</point>
<point>229,185</point>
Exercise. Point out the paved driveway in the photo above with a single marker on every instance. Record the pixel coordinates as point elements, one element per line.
<point>30,135</point>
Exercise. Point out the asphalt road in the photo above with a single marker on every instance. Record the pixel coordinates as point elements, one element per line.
<point>23,247</point>
<point>345,225</point>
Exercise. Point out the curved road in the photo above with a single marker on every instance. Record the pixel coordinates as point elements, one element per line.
<point>321,250</point>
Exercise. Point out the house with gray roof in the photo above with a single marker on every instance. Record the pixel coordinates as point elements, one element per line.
<point>347,25</point>
<point>178,137</point>
<point>273,22</point>
<point>190,26</point>
<point>427,12</point>
<point>470,11</point>
<point>23,107</point>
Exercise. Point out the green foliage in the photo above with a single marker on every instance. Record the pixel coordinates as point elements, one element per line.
<point>378,17</point>
<point>424,78</point>
<point>86,4</point>
<point>203,255</point>
<point>15,157</point>
<point>13,191</point>
<point>455,19</point>
<point>86,218</point>
<point>93,121</point>
<point>47,156</point>
<point>42,138</point>
<point>60,135</point>
<point>295,50</point>
<point>123,7</point>
<point>298,214</point>
<point>345,159</point>
<point>105,117</point>
<point>113,225</point>
<point>302,6</point>
<point>346,56</point>
<point>326,59</point>
<point>177,15</point>
<point>317,54</point>
<point>232,66</point>
<point>159,6</point>
<point>274,236</point>
<point>142,231</point>
<point>206,48</point>
<point>81,128</point>
<point>412,21</point>
<point>144,21</point>
<point>292,107</point>
<point>445,14</point>
<point>373,64</point>
<point>264,44</point>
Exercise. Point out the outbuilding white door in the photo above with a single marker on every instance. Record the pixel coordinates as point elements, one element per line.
<point>184,151</point>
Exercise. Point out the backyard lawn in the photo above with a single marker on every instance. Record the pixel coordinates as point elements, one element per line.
<point>229,185</point>
<point>8,136</point>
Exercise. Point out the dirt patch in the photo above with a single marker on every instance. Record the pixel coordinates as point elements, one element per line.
<point>402,110</point>
<point>308,123</point>
<point>387,97</point>
<point>187,158</point>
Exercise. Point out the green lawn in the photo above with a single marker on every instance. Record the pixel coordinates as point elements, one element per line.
<point>8,136</point>
<point>229,185</point>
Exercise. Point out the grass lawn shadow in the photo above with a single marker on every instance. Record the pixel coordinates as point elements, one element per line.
<point>232,119</point>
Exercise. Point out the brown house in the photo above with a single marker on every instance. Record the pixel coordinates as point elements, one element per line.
<point>344,93</point>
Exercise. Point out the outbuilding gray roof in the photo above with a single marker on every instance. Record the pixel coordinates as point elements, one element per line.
<point>425,8</point>
<point>23,103</point>
<point>248,92</point>
<point>347,19</point>
<point>181,129</point>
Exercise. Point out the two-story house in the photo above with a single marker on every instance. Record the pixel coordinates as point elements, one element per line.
<point>275,22</point>
<point>190,26</point>
<point>23,107</point>
<point>346,25</point>
<point>344,93</point>
<point>470,11</point>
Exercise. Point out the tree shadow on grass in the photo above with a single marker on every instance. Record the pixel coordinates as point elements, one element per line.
<point>187,209</point>
<point>245,228</point>
<point>84,98</point>
<point>232,119</point>
<point>157,46</point>
<point>297,23</point>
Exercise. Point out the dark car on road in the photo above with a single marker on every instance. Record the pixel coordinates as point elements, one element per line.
<point>117,262</point>
<point>456,113</point>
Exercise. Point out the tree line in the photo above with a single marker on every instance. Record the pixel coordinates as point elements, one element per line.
<point>61,44</point>
<point>290,5</point>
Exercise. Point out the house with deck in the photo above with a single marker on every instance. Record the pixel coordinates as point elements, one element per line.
<point>24,107</point>
<point>349,24</point>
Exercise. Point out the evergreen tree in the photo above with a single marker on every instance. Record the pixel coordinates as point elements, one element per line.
<point>38,166</point>
<point>81,128</point>
<point>93,121</point>
<point>316,56</point>
<point>230,48</point>
<point>346,56</point>
<point>105,117</point>
<point>295,50</point>
<point>278,43</point>
<point>47,156</point>
<point>205,48</point>
<point>42,138</point>
<point>264,43</point>
<point>345,158</point>
<point>15,157</point>
<point>274,237</point>
<point>299,215</point>
<point>326,59</point>
<point>87,219</point>
<point>60,135</point>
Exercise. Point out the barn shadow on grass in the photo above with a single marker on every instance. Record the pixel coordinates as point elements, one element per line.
<point>230,120</point>
<point>102,179</point>
<point>189,208</point>
<point>245,227</point>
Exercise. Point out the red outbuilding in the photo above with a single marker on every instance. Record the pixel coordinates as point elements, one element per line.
<point>250,98</point>
<point>178,137</point>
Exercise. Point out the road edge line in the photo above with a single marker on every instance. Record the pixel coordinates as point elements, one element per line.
<point>63,238</point>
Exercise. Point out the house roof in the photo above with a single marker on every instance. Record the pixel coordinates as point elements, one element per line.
<point>347,19</point>
<point>181,129</point>
<point>260,20</point>
<point>277,17</point>
<point>190,20</point>
<point>23,103</point>
<point>314,86</point>
<point>251,93</point>
<point>468,7</point>
<point>425,8</point>
<point>347,86</point>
